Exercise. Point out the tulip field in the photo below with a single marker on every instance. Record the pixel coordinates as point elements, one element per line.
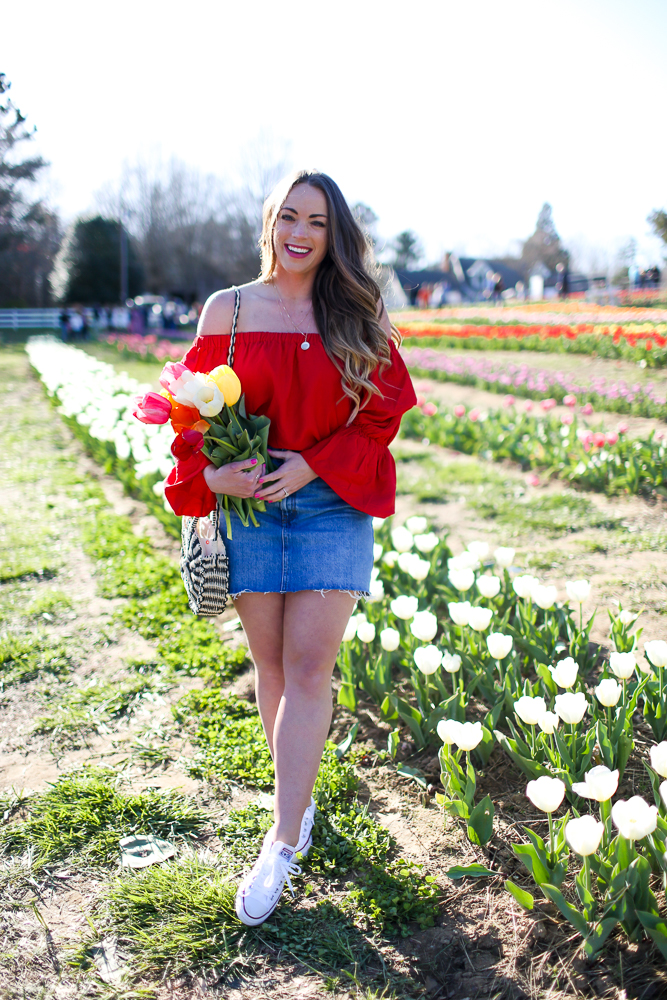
<point>492,802</point>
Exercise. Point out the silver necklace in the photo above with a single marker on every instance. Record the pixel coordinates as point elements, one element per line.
<point>305,345</point>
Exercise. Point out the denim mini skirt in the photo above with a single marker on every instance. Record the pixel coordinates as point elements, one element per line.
<point>311,540</point>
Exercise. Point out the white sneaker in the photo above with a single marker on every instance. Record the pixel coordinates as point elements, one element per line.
<point>259,893</point>
<point>306,832</point>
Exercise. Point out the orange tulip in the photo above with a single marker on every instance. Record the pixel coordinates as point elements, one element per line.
<point>183,417</point>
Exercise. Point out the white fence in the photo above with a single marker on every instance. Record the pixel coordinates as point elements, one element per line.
<point>29,319</point>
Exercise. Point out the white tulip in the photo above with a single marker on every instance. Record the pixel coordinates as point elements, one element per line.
<point>447,730</point>
<point>525,585</point>
<point>635,818</point>
<point>565,672</point>
<point>656,650</point>
<point>366,631</point>
<point>530,710</point>
<point>207,398</point>
<point>504,556</point>
<point>419,568</point>
<point>404,607</point>
<point>622,664</point>
<point>424,625</point>
<point>350,630</point>
<point>608,692</point>
<point>584,835</point>
<point>480,618</point>
<point>663,793</point>
<point>426,543</point>
<point>488,586</point>
<point>546,793</point>
<point>544,597</point>
<point>499,645</point>
<point>377,523</point>
<point>627,617</point>
<point>390,639</point>
<point>376,591</point>
<point>462,579</point>
<point>390,558</point>
<point>578,590</point>
<point>428,659</point>
<point>416,524</point>
<point>599,783</point>
<point>469,735</point>
<point>479,549</point>
<point>405,559</point>
<point>659,758</point>
<point>377,551</point>
<point>401,539</point>
<point>460,612</point>
<point>451,662</point>
<point>570,707</point>
<point>466,560</point>
<point>548,722</point>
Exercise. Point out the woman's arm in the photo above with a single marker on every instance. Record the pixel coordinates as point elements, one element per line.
<point>217,314</point>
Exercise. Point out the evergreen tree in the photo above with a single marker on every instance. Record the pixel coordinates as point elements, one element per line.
<point>544,246</point>
<point>29,232</point>
<point>92,263</point>
<point>407,250</point>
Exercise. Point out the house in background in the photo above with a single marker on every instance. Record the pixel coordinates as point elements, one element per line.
<point>461,279</point>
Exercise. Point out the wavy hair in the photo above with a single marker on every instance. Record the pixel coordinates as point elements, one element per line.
<point>345,292</point>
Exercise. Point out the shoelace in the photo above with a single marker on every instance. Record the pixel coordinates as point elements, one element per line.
<point>285,869</point>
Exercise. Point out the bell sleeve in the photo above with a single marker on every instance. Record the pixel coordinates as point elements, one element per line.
<point>355,460</point>
<point>185,488</point>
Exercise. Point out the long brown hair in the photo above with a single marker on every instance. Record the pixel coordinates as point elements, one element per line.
<point>345,293</point>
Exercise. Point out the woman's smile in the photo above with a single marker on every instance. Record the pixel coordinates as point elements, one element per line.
<point>297,251</point>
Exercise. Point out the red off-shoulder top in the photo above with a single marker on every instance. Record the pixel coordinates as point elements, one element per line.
<point>302,394</point>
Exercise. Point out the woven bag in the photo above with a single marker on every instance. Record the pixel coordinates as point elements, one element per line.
<point>206,577</point>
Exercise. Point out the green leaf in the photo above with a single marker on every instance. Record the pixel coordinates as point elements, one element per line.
<point>570,913</point>
<point>412,772</point>
<point>599,935</point>
<point>522,896</point>
<point>480,824</point>
<point>656,928</point>
<point>527,854</point>
<point>528,766</point>
<point>392,742</point>
<point>475,870</point>
<point>345,745</point>
<point>388,708</point>
<point>347,696</point>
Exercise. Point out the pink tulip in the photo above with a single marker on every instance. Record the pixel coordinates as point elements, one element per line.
<point>587,409</point>
<point>474,415</point>
<point>509,401</point>
<point>570,400</point>
<point>152,408</point>
<point>611,437</point>
<point>459,411</point>
<point>533,479</point>
<point>599,440</point>
<point>429,409</point>
<point>548,404</point>
<point>528,405</point>
<point>170,373</point>
<point>567,418</point>
<point>623,428</point>
<point>421,400</point>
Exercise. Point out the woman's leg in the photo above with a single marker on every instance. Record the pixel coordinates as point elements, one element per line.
<point>313,627</point>
<point>262,619</point>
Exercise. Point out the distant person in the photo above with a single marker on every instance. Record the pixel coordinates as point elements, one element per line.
<point>76,324</point>
<point>64,322</point>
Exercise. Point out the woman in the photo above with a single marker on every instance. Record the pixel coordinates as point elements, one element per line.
<point>315,351</point>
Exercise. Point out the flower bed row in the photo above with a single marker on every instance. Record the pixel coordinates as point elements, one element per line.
<point>148,346</point>
<point>537,383</point>
<point>634,342</point>
<point>468,652</point>
<point>606,462</point>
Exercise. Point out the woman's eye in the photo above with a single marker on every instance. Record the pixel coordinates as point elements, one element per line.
<point>287,218</point>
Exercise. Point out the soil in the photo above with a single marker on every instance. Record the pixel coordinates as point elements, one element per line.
<point>484,944</point>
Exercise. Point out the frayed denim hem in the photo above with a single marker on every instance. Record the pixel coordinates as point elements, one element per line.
<point>357,595</point>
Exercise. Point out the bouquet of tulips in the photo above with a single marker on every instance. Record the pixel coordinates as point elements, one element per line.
<point>208,414</point>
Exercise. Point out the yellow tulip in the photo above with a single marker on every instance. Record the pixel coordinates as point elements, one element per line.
<point>227,382</point>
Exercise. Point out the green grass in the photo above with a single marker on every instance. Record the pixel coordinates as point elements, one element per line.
<point>51,602</point>
<point>551,513</point>
<point>25,657</point>
<point>26,549</point>
<point>83,815</point>
<point>88,709</point>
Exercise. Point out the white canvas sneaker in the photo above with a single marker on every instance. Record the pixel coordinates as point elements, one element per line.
<point>306,832</point>
<point>259,893</point>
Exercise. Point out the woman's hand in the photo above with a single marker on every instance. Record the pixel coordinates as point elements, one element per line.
<point>238,479</point>
<point>291,476</point>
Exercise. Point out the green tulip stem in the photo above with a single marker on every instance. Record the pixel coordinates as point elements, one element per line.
<point>573,744</point>
<point>532,741</point>
<point>605,816</point>
<point>609,715</point>
<point>581,618</point>
<point>587,873</point>
<point>551,840</point>
<point>454,685</point>
<point>660,681</point>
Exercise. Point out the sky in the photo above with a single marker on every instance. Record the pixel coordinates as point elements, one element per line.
<point>457,120</point>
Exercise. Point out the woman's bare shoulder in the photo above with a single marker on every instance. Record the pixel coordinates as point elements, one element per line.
<point>218,312</point>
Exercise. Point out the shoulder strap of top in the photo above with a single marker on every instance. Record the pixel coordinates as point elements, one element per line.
<point>232,342</point>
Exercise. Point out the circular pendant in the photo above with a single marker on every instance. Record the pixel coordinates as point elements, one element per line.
<point>305,345</point>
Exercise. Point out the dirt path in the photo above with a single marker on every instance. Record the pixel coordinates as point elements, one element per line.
<point>483,945</point>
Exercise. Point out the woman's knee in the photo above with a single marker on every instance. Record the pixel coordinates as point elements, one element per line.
<point>270,668</point>
<point>308,675</point>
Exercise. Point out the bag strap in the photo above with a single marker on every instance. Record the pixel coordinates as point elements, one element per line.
<point>232,342</point>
